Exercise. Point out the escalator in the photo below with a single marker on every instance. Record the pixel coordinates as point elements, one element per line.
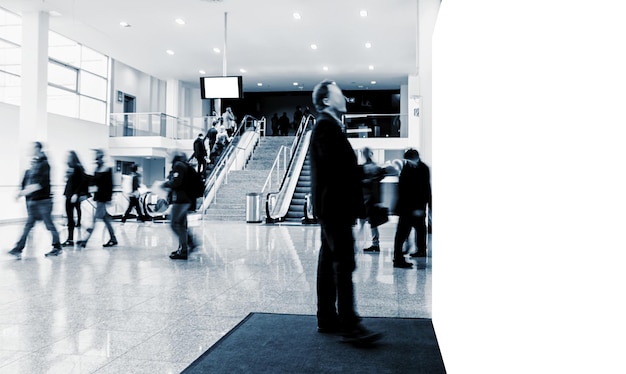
<point>299,198</point>
<point>289,203</point>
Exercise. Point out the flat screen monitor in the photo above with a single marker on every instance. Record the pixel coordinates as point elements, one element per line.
<point>221,87</point>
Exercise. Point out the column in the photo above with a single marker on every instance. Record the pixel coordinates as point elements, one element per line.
<point>33,109</point>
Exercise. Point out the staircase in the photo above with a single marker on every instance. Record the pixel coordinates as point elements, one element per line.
<point>230,203</point>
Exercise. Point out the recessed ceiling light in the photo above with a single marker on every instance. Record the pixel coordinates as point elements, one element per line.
<point>180,21</point>
<point>325,68</point>
<point>363,13</point>
<point>202,72</point>
<point>373,82</point>
<point>296,15</point>
<point>295,83</point>
<point>169,52</point>
<point>124,24</point>
<point>216,50</point>
<point>242,70</point>
<point>313,46</point>
<point>368,45</point>
<point>259,84</point>
<point>371,67</point>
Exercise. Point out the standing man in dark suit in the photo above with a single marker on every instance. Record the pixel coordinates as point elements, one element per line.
<point>414,194</point>
<point>199,152</point>
<point>337,203</point>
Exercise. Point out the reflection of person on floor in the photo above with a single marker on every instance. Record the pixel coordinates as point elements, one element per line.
<point>337,202</point>
<point>36,189</point>
<point>414,196</point>
<point>102,180</point>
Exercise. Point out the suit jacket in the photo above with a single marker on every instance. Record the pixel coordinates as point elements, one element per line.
<point>335,175</point>
<point>414,190</point>
<point>199,151</point>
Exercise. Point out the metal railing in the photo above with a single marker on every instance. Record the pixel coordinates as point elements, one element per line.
<point>155,124</point>
<point>276,204</point>
<point>376,125</point>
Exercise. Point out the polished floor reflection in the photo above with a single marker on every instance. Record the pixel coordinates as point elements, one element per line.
<point>130,309</point>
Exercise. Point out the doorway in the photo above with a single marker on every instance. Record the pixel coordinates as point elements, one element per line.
<point>129,119</point>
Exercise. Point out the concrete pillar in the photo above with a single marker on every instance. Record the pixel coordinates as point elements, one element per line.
<point>34,108</point>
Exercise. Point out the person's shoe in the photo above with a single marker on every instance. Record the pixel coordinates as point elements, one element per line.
<point>402,264</point>
<point>373,248</point>
<point>81,243</point>
<point>359,335</point>
<point>55,251</point>
<point>16,252</point>
<point>68,243</point>
<point>328,328</point>
<point>418,254</point>
<point>178,256</point>
<point>110,243</point>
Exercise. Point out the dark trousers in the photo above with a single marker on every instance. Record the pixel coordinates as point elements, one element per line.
<point>201,164</point>
<point>38,210</point>
<point>334,277</point>
<point>69,211</point>
<point>405,224</point>
<point>178,222</point>
<point>102,214</point>
<point>133,202</point>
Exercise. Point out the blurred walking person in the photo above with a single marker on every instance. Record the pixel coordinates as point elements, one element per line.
<point>103,182</point>
<point>75,192</point>
<point>181,201</point>
<point>36,190</point>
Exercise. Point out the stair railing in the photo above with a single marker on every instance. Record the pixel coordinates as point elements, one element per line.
<point>219,174</point>
<point>277,201</point>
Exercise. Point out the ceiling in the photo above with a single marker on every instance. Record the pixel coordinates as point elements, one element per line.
<point>262,37</point>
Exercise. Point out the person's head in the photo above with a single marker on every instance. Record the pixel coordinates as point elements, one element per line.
<point>412,156</point>
<point>228,109</point>
<point>221,128</point>
<point>37,149</point>
<point>367,154</point>
<point>327,96</point>
<point>200,135</point>
<point>178,156</point>
<point>72,159</point>
<point>99,157</point>
<point>133,168</point>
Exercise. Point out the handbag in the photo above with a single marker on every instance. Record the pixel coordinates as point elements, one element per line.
<point>378,215</point>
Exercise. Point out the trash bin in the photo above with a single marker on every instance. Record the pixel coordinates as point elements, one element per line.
<point>253,207</point>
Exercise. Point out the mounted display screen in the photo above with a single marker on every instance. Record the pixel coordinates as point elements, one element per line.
<point>221,87</point>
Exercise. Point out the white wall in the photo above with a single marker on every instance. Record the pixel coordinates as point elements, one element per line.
<point>149,92</point>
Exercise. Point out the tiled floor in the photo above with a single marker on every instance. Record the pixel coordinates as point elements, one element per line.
<point>130,309</point>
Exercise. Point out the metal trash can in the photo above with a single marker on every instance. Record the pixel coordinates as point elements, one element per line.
<point>253,207</point>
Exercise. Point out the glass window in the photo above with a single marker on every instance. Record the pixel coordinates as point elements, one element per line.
<point>10,57</point>
<point>10,27</point>
<point>63,49</point>
<point>62,76</point>
<point>94,62</point>
<point>92,110</point>
<point>93,85</point>
<point>62,102</point>
<point>10,88</point>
